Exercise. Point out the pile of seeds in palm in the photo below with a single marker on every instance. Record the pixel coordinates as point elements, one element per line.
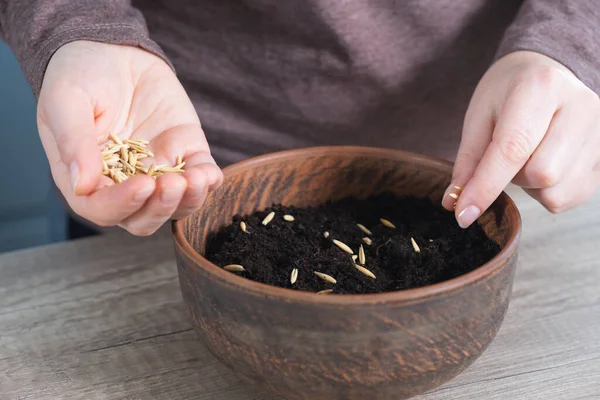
<point>122,159</point>
<point>351,246</point>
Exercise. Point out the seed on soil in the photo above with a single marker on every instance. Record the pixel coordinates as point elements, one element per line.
<point>268,218</point>
<point>325,277</point>
<point>343,246</point>
<point>364,229</point>
<point>387,223</point>
<point>243,227</point>
<point>288,218</point>
<point>365,271</point>
<point>362,259</point>
<point>269,254</point>
<point>325,234</point>
<point>294,276</point>
<point>234,268</point>
<point>367,241</point>
<point>415,245</point>
<point>453,195</point>
<point>326,291</point>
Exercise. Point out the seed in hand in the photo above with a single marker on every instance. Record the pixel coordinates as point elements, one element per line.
<point>121,159</point>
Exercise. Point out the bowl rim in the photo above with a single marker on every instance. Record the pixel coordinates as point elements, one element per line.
<point>490,268</point>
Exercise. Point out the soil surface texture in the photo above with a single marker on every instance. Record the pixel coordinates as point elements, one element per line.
<point>269,253</point>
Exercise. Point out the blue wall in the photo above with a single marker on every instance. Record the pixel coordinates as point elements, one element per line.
<point>30,214</point>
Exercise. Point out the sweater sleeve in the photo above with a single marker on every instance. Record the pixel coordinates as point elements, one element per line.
<point>35,29</point>
<point>562,30</point>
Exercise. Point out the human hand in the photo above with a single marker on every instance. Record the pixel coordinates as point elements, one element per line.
<point>533,123</point>
<point>92,89</point>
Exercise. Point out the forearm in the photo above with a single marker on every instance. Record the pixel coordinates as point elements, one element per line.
<point>35,29</point>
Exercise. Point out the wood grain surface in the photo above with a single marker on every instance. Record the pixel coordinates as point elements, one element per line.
<point>103,318</point>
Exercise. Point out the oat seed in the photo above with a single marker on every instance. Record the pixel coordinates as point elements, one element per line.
<point>362,259</point>
<point>343,246</point>
<point>294,276</point>
<point>364,229</point>
<point>268,218</point>
<point>415,245</point>
<point>234,268</point>
<point>151,170</point>
<point>288,218</point>
<point>365,271</point>
<point>367,241</point>
<point>115,138</point>
<point>325,277</point>
<point>387,223</point>
<point>121,159</point>
<point>326,291</point>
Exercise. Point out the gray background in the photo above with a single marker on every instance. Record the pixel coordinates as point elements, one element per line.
<point>30,214</point>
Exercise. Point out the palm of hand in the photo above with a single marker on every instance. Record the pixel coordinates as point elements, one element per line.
<point>91,89</point>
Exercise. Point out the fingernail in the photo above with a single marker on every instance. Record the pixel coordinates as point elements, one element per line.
<point>74,175</point>
<point>143,194</point>
<point>468,216</point>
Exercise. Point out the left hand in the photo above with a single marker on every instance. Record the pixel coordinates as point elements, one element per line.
<point>533,123</point>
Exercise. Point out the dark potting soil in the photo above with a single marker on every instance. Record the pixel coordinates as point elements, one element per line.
<point>270,253</point>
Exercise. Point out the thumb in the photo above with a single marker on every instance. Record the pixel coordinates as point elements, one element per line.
<point>69,116</point>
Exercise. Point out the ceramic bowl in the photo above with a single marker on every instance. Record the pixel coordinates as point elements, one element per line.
<point>301,345</point>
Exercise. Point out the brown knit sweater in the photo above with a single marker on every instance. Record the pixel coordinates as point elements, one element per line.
<point>267,75</point>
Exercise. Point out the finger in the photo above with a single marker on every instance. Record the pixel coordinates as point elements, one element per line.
<point>476,135</point>
<point>202,178</point>
<point>112,204</point>
<point>195,194</point>
<point>567,195</point>
<point>202,173</point>
<point>188,142</point>
<point>578,185</point>
<point>159,208</point>
<point>68,113</point>
<point>213,176</point>
<point>522,123</point>
<point>559,150</point>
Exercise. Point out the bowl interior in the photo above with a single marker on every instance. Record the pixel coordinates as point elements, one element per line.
<point>313,176</point>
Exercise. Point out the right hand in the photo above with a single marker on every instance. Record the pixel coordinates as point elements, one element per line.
<point>91,89</point>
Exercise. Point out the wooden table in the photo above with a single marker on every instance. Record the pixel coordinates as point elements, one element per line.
<point>103,318</point>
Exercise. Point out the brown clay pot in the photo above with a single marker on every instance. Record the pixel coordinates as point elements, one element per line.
<point>301,345</point>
